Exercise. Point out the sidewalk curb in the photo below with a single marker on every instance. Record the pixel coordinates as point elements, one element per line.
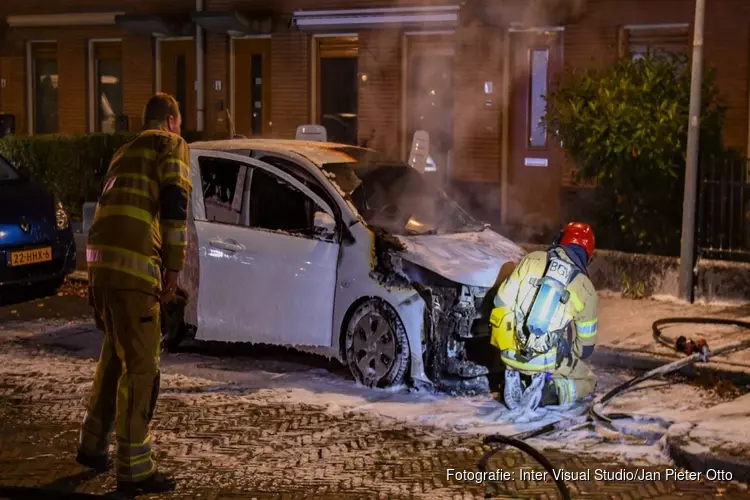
<point>678,444</point>
<point>606,356</point>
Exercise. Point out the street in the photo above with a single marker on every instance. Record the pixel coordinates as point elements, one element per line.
<point>244,424</point>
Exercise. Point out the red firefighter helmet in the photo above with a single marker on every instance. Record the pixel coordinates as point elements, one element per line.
<point>578,233</point>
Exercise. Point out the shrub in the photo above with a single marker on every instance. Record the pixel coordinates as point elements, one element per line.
<point>72,167</point>
<point>626,128</point>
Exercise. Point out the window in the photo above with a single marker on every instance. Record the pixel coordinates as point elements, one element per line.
<point>180,78</point>
<point>44,87</point>
<point>638,42</point>
<point>430,98</point>
<point>277,206</point>
<point>538,74</point>
<point>223,185</point>
<point>252,86</point>
<point>7,172</point>
<point>338,88</point>
<point>299,173</point>
<point>107,85</point>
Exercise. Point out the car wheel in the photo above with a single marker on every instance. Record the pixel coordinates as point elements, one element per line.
<point>376,346</point>
<point>49,288</point>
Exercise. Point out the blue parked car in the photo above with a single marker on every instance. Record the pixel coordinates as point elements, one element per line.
<point>36,240</point>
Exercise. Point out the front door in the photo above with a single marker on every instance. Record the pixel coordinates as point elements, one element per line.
<point>266,274</point>
<point>177,67</point>
<point>536,158</point>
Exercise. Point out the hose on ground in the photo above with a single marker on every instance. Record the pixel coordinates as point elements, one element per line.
<point>528,449</point>
<point>596,414</point>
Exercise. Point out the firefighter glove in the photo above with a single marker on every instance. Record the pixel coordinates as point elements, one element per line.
<point>564,352</point>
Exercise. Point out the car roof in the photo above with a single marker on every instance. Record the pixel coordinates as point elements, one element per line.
<point>317,152</point>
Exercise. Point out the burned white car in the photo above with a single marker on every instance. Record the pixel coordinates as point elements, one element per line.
<point>335,250</point>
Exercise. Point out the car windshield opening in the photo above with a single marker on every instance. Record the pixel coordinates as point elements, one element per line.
<point>7,172</point>
<point>396,198</point>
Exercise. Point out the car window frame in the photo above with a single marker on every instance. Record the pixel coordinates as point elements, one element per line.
<point>253,163</point>
<point>304,190</point>
<point>240,182</point>
<point>303,174</point>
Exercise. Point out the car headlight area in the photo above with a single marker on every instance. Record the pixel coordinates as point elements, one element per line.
<point>61,217</point>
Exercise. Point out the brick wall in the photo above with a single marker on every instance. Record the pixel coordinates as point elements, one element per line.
<point>290,74</point>
<point>592,40</point>
<point>379,120</point>
<point>138,77</point>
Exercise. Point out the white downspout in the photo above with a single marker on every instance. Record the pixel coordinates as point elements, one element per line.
<point>199,77</point>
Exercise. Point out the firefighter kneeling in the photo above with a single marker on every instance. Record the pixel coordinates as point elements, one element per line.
<point>545,323</point>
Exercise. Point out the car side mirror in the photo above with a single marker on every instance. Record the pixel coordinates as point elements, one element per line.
<point>324,223</point>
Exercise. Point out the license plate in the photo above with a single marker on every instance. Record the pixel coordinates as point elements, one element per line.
<point>34,256</point>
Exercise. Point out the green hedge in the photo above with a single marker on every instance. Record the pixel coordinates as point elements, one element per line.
<point>71,166</point>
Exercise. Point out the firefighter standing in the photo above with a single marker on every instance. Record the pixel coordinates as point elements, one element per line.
<point>136,248</point>
<point>545,323</point>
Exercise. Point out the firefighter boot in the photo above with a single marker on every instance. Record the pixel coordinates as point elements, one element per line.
<point>549,395</point>
<point>100,464</point>
<point>156,483</point>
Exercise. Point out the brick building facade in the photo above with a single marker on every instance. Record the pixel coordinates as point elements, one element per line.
<point>372,71</point>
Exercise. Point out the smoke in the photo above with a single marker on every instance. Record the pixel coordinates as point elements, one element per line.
<point>457,99</point>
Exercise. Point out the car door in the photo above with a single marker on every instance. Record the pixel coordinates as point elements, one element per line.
<point>266,274</point>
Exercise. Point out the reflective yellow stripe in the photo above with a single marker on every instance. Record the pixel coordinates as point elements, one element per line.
<point>135,191</point>
<point>125,450</point>
<point>576,301</point>
<point>151,182</point>
<point>103,211</point>
<point>122,260</point>
<point>146,473</point>
<point>566,390</point>
<point>541,362</point>
<point>587,329</point>
<point>146,154</point>
<point>175,168</point>
<point>137,458</point>
<point>131,473</point>
<point>176,237</point>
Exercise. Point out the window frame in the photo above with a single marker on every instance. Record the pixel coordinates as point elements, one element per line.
<point>298,186</point>
<point>241,182</point>
<point>31,104</point>
<point>93,87</point>
<point>332,46</point>
<point>530,97</point>
<point>652,32</point>
<point>252,163</point>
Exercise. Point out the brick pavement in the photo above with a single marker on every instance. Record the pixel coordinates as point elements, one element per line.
<point>220,444</point>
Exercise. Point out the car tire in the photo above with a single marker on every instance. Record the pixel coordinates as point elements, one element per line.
<point>49,288</point>
<point>376,347</point>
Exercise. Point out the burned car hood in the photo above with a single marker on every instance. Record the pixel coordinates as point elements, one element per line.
<point>472,259</point>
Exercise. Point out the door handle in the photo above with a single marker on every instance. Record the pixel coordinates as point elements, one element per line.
<point>231,246</point>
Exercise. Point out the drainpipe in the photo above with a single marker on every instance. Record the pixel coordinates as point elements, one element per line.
<point>199,76</point>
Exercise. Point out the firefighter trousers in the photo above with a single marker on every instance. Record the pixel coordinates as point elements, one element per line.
<point>574,381</point>
<point>126,384</point>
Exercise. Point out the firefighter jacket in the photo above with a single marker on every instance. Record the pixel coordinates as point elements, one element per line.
<point>545,299</point>
<point>140,222</point>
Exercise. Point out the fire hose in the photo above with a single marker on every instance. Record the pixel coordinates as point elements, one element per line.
<point>694,350</point>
